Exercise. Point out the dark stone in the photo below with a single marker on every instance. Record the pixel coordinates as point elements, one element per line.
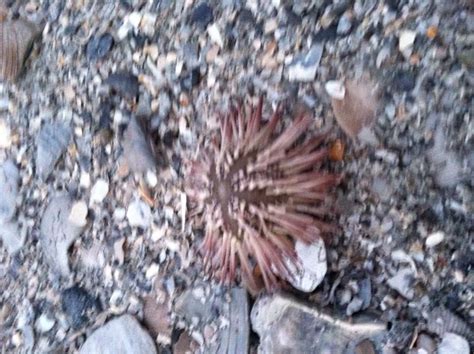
<point>169,138</point>
<point>404,81</point>
<point>202,15</point>
<point>246,16</point>
<point>124,84</point>
<point>326,34</point>
<point>76,303</point>
<point>99,46</point>
<point>191,80</point>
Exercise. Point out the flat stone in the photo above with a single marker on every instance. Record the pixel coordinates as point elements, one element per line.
<point>51,143</point>
<point>304,66</point>
<point>57,234</point>
<point>9,179</point>
<point>122,335</point>
<point>136,149</point>
<point>288,326</point>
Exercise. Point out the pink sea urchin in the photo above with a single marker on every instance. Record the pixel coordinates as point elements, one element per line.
<point>258,192</point>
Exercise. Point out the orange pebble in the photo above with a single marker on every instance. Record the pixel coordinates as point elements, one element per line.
<point>336,151</point>
<point>432,32</point>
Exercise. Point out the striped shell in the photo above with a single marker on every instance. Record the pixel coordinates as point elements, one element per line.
<point>16,38</point>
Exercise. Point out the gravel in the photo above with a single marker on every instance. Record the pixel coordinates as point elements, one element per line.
<point>404,211</point>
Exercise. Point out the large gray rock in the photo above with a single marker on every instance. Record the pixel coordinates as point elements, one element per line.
<point>122,335</point>
<point>58,233</point>
<point>9,177</point>
<point>287,326</point>
<point>51,143</point>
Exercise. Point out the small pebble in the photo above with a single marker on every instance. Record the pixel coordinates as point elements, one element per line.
<point>99,47</point>
<point>5,135</point>
<point>78,214</point>
<point>44,323</point>
<point>202,15</point>
<point>139,214</point>
<point>304,66</point>
<point>434,239</point>
<point>99,191</point>
<point>215,35</point>
<point>406,40</point>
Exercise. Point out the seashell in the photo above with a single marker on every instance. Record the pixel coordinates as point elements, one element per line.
<point>16,39</point>
<point>441,320</point>
<point>354,104</point>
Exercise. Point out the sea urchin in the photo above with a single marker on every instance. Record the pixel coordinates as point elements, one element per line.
<point>257,193</point>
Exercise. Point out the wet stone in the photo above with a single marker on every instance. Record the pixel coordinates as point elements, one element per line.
<point>51,143</point>
<point>76,303</point>
<point>99,46</point>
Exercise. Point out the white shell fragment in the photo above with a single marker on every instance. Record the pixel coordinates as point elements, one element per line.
<point>335,89</point>
<point>406,40</point>
<point>312,268</point>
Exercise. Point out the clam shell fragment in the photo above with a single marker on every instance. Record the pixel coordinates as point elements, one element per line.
<point>16,39</point>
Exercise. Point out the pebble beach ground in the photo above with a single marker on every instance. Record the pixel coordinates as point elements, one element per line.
<point>97,246</point>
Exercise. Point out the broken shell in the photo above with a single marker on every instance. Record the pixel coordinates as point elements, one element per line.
<point>354,104</point>
<point>16,39</point>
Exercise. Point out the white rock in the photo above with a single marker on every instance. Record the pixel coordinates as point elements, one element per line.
<point>405,41</point>
<point>215,35</point>
<point>120,335</point>
<point>147,23</point>
<point>434,239</point>
<point>335,89</point>
<point>151,179</point>
<point>304,66</point>
<point>85,180</point>
<point>78,214</point>
<point>5,135</point>
<point>11,237</point>
<point>313,266</point>
<point>453,344</point>
<point>44,324</point>
<point>139,214</point>
<point>134,19</point>
<point>123,30</point>
<point>99,191</point>
<point>402,281</point>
